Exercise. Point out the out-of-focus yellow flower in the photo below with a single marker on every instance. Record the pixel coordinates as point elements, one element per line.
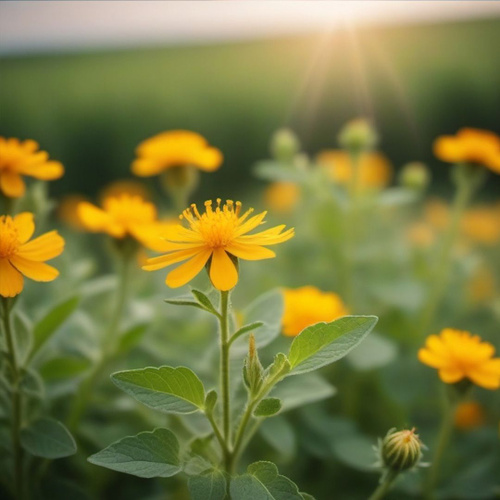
<point>469,415</point>
<point>459,355</point>
<point>470,145</point>
<point>437,213</point>
<point>375,170</point>
<point>24,158</point>
<point>217,237</point>
<point>282,197</point>
<point>308,305</point>
<point>67,210</point>
<point>125,215</point>
<point>421,235</point>
<point>482,225</point>
<point>125,186</point>
<point>175,148</point>
<point>481,286</point>
<point>19,256</point>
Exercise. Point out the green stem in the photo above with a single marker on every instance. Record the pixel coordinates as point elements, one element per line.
<point>109,347</point>
<point>384,487</point>
<point>224,371</point>
<point>444,260</point>
<point>240,433</point>
<point>442,442</point>
<point>16,401</point>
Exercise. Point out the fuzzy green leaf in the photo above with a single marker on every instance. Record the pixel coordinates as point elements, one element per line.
<point>268,407</point>
<point>324,343</point>
<point>210,485</point>
<point>149,454</point>
<point>263,482</point>
<point>167,389</point>
<point>48,438</point>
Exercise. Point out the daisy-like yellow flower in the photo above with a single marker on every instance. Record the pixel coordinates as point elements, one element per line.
<point>470,145</point>
<point>469,415</point>
<point>125,186</point>
<point>375,170</point>
<point>19,256</point>
<point>458,355</point>
<point>125,215</point>
<point>308,305</point>
<point>216,237</point>
<point>24,158</point>
<point>175,148</point>
<point>282,197</point>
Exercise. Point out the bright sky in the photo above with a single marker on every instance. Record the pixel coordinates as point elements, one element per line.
<point>39,26</point>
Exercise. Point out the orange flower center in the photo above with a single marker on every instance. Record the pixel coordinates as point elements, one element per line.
<point>216,227</point>
<point>9,237</point>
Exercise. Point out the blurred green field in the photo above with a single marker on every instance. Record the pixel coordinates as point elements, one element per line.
<point>91,109</point>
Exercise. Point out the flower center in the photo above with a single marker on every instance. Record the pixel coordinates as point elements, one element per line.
<point>9,237</point>
<point>217,227</point>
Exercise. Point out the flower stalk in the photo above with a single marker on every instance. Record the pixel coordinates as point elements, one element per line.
<point>385,485</point>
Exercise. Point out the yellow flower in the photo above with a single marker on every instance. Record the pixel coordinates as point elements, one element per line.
<point>125,215</point>
<point>282,197</point>
<point>19,256</point>
<point>481,224</point>
<point>176,148</point>
<point>67,211</point>
<point>125,186</point>
<point>23,158</point>
<point>469,415</point>
<point>470,145</point>
<point>459,355</point>
<point>375,170</point>
<point>307,305</point>
<point>216,237</point>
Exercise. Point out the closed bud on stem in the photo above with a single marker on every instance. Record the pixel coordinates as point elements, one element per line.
<point>401,450</point>
<point>252,370</point>
<point>415,175</point>
<point>284,145</point>
<point>358,135</point>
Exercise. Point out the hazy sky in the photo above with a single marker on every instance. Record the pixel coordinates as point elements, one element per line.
<point>36,26</point>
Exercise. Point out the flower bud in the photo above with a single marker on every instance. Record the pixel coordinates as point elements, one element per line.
<point>401,450</point>
<point>358,135</point>
<point>284,145</point>
<point>253,370</point>
<point>415,175</point>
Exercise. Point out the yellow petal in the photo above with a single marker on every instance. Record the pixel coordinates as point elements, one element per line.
<point>11,184</point>
<point>430,358</point>
<point>37,271</point>
<point>223,274</point>
<point>187,271</point>
<point>45,247</point>
<point>486,375</point>
<point>250,224</point>
<point>25,226</point>
<point>166,260</point>
<point>46,171</point>
<point>97,220</point>
<point>11,280</point>
<point>146,167</point>
<point>451,375</point>
<point>208,159</point>
<point>249,251</point>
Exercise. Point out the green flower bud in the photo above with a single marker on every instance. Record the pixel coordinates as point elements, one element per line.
<point>284,145</point>
<point>415,175</point>
<point>358,135</point>
<point>253,371</point>
<point>401,450</point>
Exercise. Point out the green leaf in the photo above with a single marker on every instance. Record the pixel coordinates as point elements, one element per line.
<point>149,454</point>
<point>376,351</point>
<point>131,338</point>
<point>204,301</point>
<point>210,401</point>
<point>245,329</point>
<point>23,337</point>
<point>266,309</point>
<point>48,438</point>
<point>279,434</point>
<point>268,407</point>
<point>263,482</point>
<point>324,343</point>
<point>211,485</point>
<point>49,324</point>
<point>68,367</point>
<point>278,369</point>
<point>167,389</point>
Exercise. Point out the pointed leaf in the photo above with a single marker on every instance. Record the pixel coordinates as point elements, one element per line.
<point>149,454</point>
<point>167,389</point>
<point>204,301</point>
<point>48,438</point>
<point>263,482</point>
<point>324,343</point>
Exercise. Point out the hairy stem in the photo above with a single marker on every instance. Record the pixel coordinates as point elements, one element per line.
<point>385,485</point>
